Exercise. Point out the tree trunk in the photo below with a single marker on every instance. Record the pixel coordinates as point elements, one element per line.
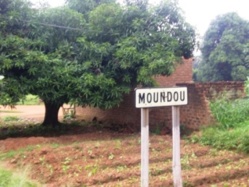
<point>51,114</point>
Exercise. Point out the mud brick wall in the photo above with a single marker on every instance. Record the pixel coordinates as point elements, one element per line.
<point>197,112</point>
<point>193,115</point>
<point>125,114</point>
<point>235,89</point>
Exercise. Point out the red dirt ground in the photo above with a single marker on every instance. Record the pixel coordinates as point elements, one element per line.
<point>97,157</point>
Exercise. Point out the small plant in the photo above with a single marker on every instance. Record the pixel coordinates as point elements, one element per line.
<point>111,156</point>
<point>10,118</point>
<point>92,169</point>
<point>66,164</point>
<point>185,162</point>
<point>121,168</point>
<point>50,168</point>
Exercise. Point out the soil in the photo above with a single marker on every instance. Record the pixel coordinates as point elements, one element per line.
<point>94,156</point>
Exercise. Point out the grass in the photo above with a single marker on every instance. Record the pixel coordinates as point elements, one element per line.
<point>11,124</point>
<point>11,118</point>
<point>232,130</point>
<point>10,179</point>
<point>235,138</point>
<point>229,113</point>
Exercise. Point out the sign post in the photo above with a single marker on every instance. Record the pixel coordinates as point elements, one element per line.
<point>156,97</point>
<point>176,165</point>
<point>145,147</point>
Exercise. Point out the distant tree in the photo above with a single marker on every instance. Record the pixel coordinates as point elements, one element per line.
<point>95,55</point>
<point>196,66</point>
<point>225,50</point>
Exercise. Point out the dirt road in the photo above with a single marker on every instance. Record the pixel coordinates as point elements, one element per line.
<point>35,112</point>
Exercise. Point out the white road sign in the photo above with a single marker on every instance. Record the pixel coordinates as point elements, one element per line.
<point>156,97</point>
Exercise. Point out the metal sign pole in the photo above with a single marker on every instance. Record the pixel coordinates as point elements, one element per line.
<point>176,146</point>
<point>144,147</point>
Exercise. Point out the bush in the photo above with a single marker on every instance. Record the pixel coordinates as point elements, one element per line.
<point>230,112</point>
<point>233,139</point>
<point>232,130</point>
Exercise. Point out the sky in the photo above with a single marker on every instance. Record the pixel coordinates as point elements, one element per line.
<point>199,13</point>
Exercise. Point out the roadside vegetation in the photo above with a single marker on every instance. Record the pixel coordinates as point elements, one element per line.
<point>232,130</point>
<point>10,179</point>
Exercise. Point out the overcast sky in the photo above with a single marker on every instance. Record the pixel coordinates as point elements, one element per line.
<point>200,13</point>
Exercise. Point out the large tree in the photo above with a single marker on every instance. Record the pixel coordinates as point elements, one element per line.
<point>225,50</point>
<point>95,54</point>
<point>12,29</point>
<point>36,55</point>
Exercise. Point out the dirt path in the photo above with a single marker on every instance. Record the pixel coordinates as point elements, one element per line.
<point>34,112</point>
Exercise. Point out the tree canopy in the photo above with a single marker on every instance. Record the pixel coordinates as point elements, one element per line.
<point>92,53</point>
<point>225,50</point>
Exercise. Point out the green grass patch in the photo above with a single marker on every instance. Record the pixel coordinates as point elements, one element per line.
<point>10,179</point>
<point>236,138</point>
<point>232,130</point>
<point>230,112</point>
<point>11,118</point>
<point>13,153</point>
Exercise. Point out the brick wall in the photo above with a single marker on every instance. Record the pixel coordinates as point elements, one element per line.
<point>197,112</point>
<point>126,113</point>
<point>193,115</point>
<point>182,74</point>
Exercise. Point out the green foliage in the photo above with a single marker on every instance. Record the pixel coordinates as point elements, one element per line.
<point>85,6</point>
<point>225,50</point>
<point>90,52</point>
<point>8,179</point>
<point>232,129</point>
<point>228,112</point>
<point>233,139</point>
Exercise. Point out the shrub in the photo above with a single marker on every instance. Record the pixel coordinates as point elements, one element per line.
<point>232,130</point>
<point>230,112</point>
